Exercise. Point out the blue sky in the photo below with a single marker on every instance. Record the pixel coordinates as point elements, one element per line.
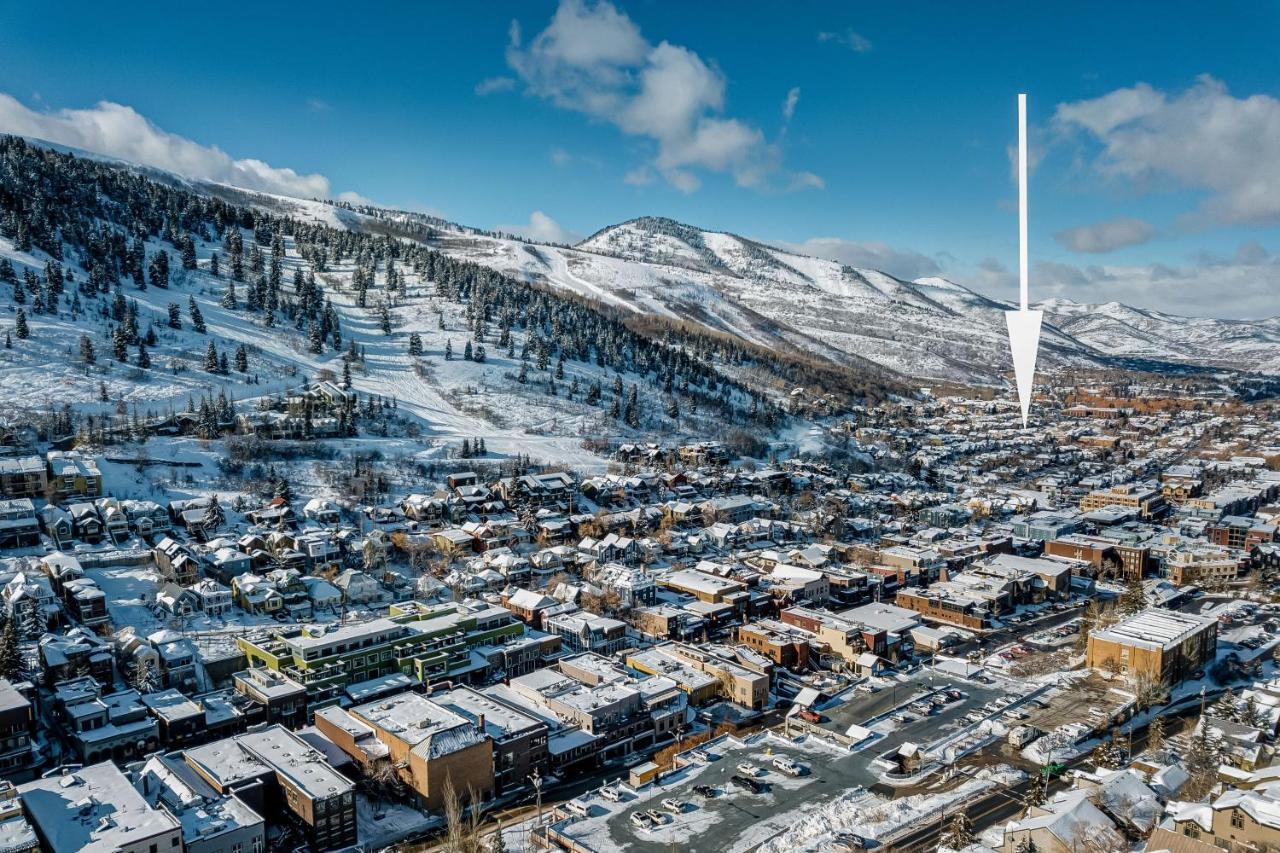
<point>875,133</point>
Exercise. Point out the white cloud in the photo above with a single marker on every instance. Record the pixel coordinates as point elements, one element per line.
<point>592,59</point>
<point>854,41</point>
<point>641,176</point>
<point>1243,286</point>
<point>560,157</point>
<point>318,105</point>
<point>355,198</point>
<point>906,264</point>
<point>542,228</point>
<point>1250,276</point>
<point>1106,236</point>
<point>1202,139</point>
<point>118,131</point>
<point>490,85</point>
<point>805,181</point>
<point>789,105</point>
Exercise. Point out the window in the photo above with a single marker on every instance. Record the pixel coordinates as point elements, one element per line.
<point>1237,819</point>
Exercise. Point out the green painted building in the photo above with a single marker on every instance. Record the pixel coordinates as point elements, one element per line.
<point>427,642</point>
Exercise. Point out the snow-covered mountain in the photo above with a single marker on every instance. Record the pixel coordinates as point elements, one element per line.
<point>802,307</point>
<point>931,328</point>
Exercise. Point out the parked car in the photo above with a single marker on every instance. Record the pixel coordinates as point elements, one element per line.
<point>747,783</point>
<point>611,794</point>
<point>706,791</point>
<point>641,820</point>
<point>788,766</point>
<point>746,768</point>
<point>673,805</point>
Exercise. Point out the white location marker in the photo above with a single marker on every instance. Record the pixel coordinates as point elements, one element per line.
<point>1024,324</point>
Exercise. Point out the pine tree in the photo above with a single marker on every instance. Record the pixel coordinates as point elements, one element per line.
<point>1038,790</point>
<point>159,269</point>
<point>466,351</point>
<point>524,373</point>
<point>346,374</point>
<point>1201,764</point>
<point>87,355</point>
<point>20,325</point>
<point>415,344</point>
<point>632,413</point>
<point>448,350</point>
<point>211,358</point>
<point>229,298</point>
<point>959,834</point>
<point>188,252</point>
<point>1155,733</point>
<point>1134,598</point>
<point>10,655</point>
<point>316,343</point>
<point>283,490</point>
<point>213,265</point>
<point>197,319</point>
<point>242,359</point>
<point>175,316</point>
<point>384,317</point>
<point>479,355</point>
<point>223,367</point>
<point>144,360</point>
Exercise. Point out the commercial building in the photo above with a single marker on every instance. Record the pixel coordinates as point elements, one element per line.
<point>429,746</point>
<point>273,769</point>
<point>95,808</point>
<point>1163,644</point>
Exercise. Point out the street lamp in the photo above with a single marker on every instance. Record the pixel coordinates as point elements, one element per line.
<point>536,779</point>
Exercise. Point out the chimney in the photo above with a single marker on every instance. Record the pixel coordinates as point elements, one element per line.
<point>480,723</point>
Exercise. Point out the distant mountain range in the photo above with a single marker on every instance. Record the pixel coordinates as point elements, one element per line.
<point>927,329</point>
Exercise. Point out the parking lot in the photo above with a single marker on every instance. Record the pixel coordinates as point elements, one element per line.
<point>922,730</point>
<point>735,819</point>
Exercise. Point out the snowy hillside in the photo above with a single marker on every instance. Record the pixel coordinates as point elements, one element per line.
<point>125,298</point>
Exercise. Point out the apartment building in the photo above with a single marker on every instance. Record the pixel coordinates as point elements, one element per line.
<point>427,642</point>
<point>23,477</point>
<point>19,524</point>
<point>1240,532</point>
<point>1147,500</point>
<point>1164,644</point>
<point>17,724</point>
<point>73,475</point>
